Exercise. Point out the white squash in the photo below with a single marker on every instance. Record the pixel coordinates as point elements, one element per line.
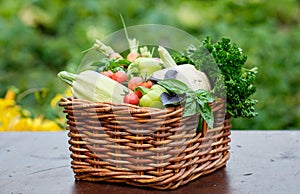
<point>186,73</point>
<point>93,86</point>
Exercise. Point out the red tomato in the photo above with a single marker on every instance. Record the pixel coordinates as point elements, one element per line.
<point>108,73</point>
<point>131,98</point>
<point>133,82</point>
<point>146,84</point>
<point>119,76</point>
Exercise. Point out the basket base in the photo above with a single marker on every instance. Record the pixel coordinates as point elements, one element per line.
<point>155,148</point>
<point>157,187</point>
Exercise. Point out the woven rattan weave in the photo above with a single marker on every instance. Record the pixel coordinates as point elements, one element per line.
<point>147,147</point>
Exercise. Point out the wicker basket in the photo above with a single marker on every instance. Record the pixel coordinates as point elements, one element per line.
<point>143,146</point>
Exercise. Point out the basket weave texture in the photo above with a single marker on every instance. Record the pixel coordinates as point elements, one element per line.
<point>145,147</point>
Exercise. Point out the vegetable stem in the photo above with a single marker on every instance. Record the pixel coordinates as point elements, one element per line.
<point>67,77</point>
<point>101,47</point>
<point>133,43</point>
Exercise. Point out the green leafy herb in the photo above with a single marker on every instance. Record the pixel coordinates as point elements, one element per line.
<point>174,86</point>
<point>223,62</point>
<point>112,64</point>
<point>195,101</point>
<point>180,59</point>
<point>203,99</point>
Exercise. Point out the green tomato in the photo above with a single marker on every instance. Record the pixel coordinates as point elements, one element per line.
<point>156,104</point>
<point>158,88</point>
<point>152,97</point>
<point>145,101</point>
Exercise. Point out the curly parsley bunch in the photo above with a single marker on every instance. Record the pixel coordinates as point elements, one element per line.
<point>228,75</point>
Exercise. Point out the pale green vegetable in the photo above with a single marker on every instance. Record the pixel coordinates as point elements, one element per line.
<point>144,67</point>
<point>186,73</point>
<point>93,86</point>
<point>166,57</point>
<point>145,52</point>
<point>104,49</point>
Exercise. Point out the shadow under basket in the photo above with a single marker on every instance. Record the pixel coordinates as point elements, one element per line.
<point>144,147</point>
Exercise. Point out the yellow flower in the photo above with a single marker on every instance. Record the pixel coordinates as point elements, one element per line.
<point>11,118</point>
<point>9,111</point>
<point>41,124</point>
<point>10,95</point>
<point>57,98</point>
<point>23,124</point>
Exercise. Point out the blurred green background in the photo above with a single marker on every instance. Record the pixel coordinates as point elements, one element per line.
<point>40,38</point>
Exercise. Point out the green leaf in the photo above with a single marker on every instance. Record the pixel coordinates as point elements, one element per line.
<point>174,86</point>
<point>207,114</point>
<point>143,89</point>
<point>196,101</point>
<point>191,107</point>
<point>111,64</point>
<point>203,99</point>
